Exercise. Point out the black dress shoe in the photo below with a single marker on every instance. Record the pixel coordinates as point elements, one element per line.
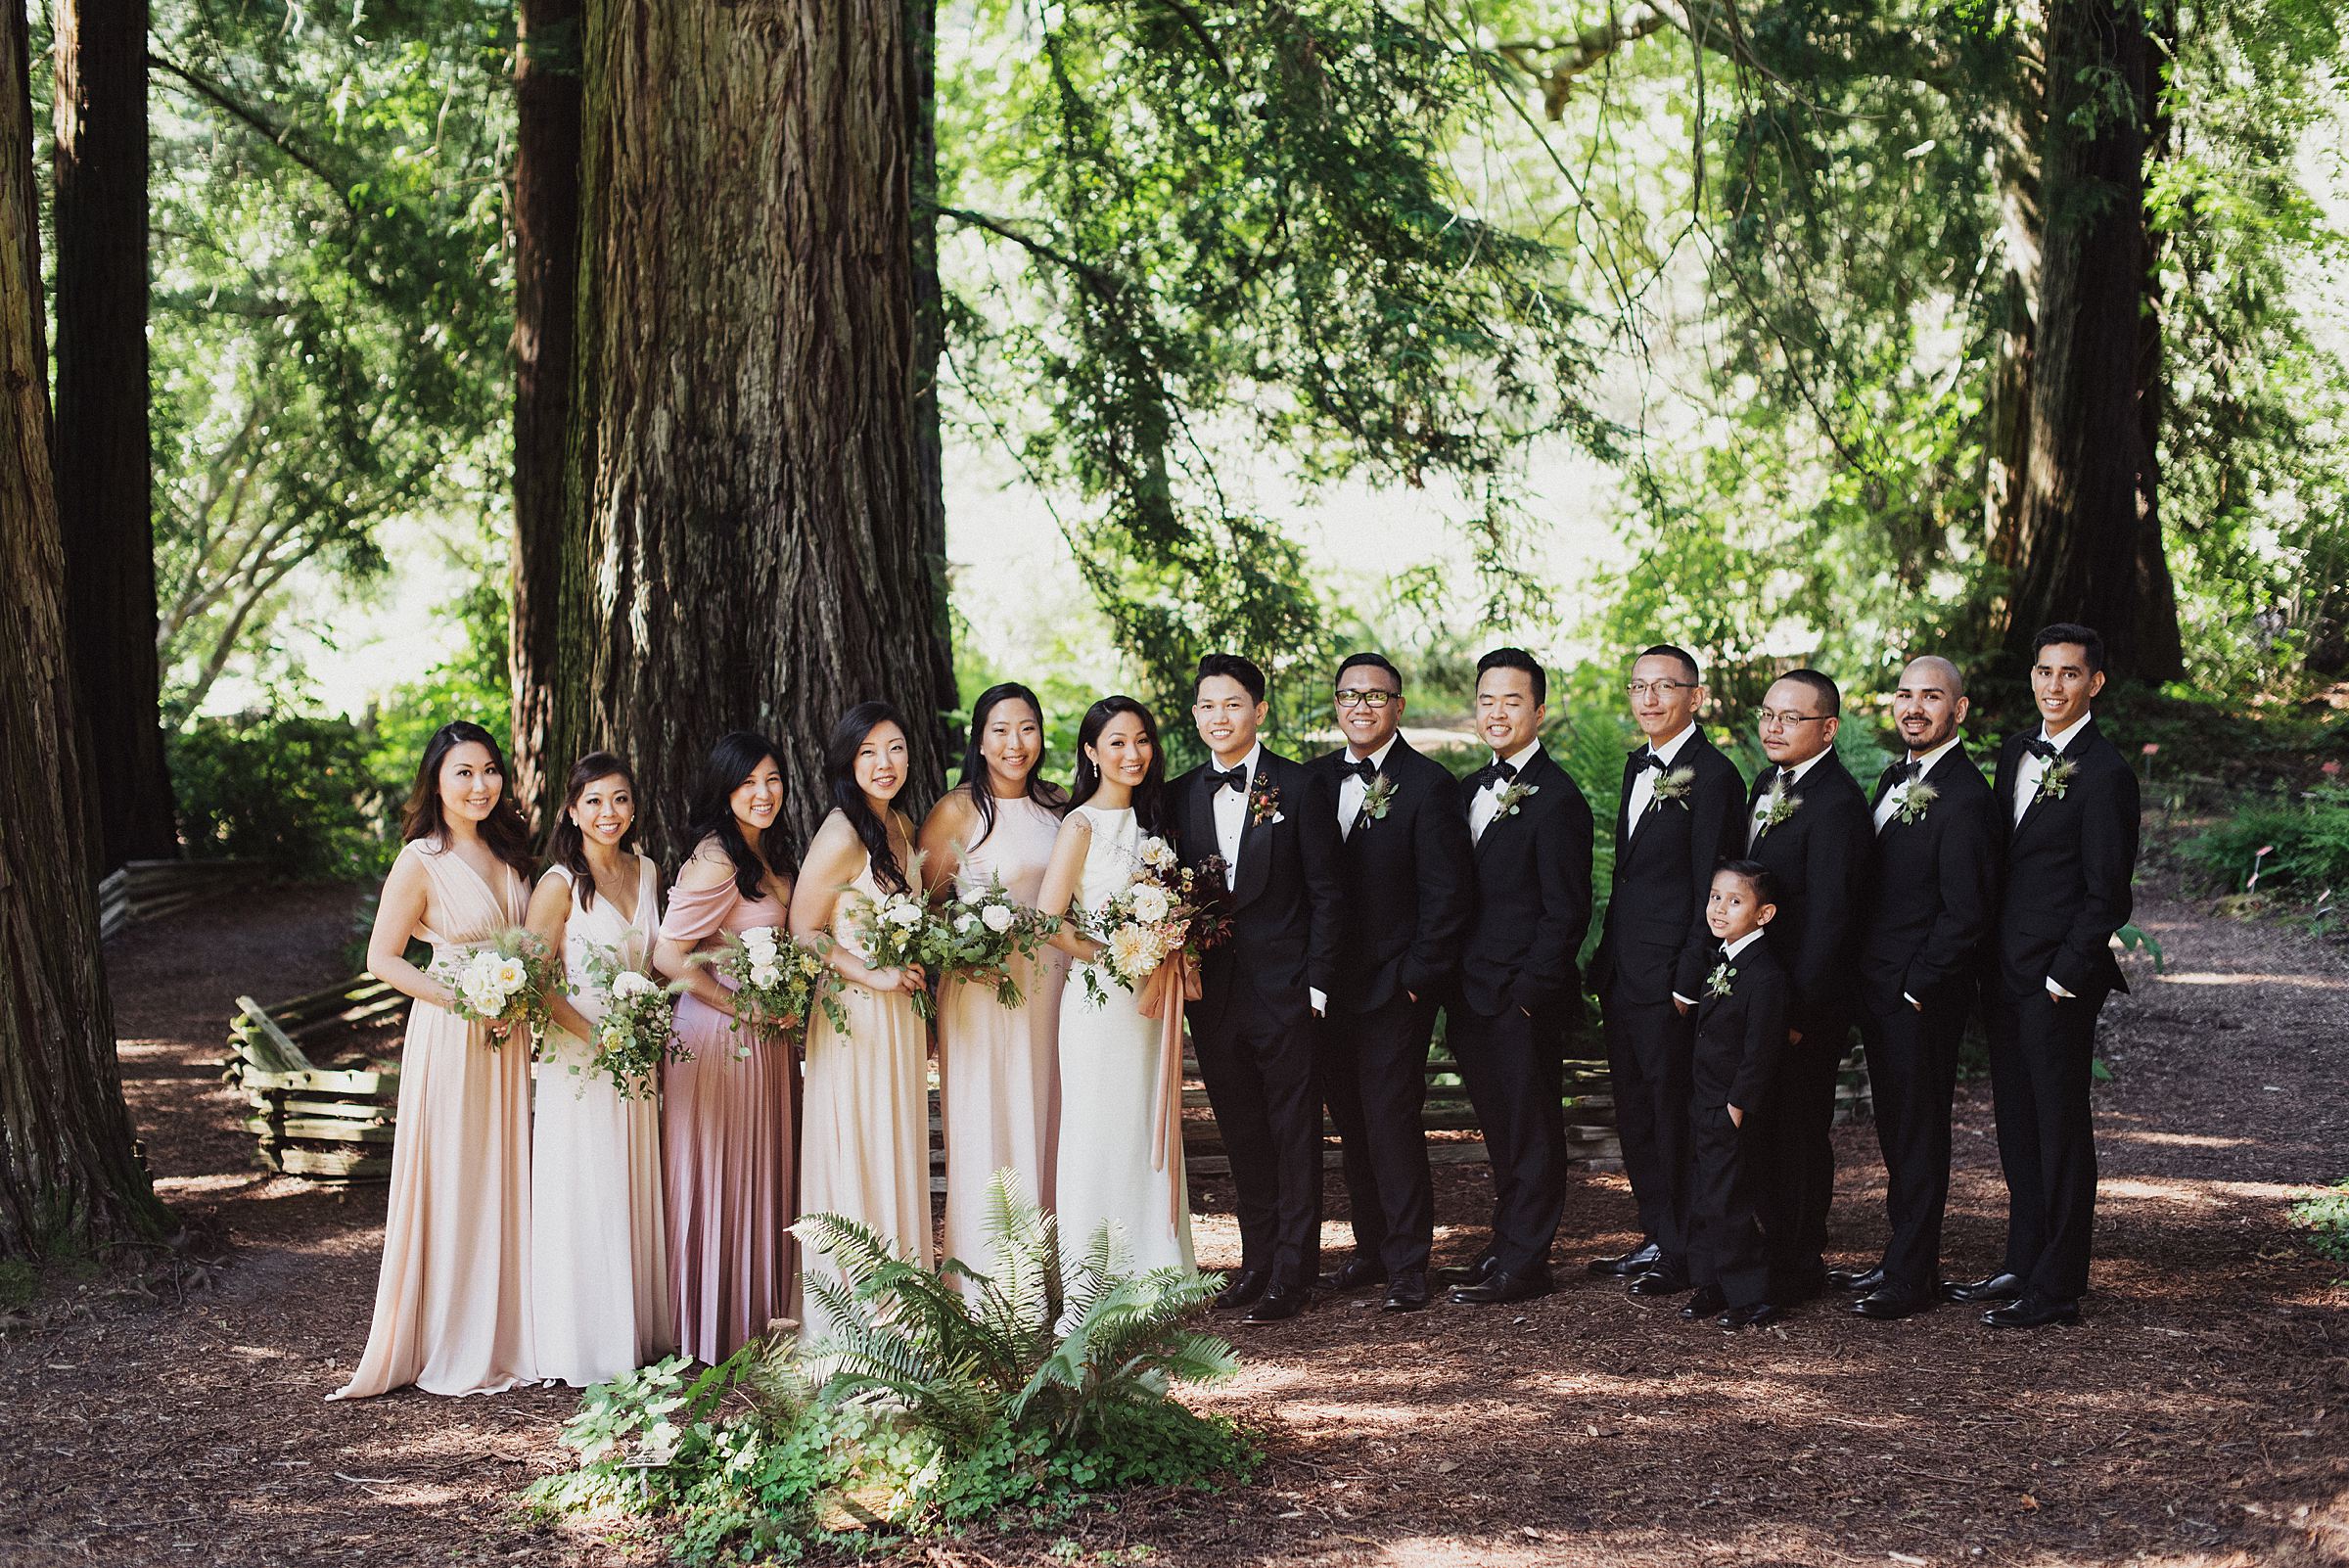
<point>1888,1303</point>
<point>1278,1304</point>
<point>1408,1294</point>
<point>1659,1282</point>
<point>1708,1302</point>
<point>1470,1273</point>
<point>1241,1289</point>
<point>1998,1287</point>
<point>1354,1274</point>
<point>2033,1311</point>
<point>1499,1287</point>
<point>1638,1261</point>
<point>1858,1281</point>
<point>1754,1314</point>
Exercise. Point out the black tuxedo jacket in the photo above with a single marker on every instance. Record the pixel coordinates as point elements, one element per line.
<point>1933,891</point>
<point>1821,858</point>
<point>2068,865</point>
<point>1739,1036</point>
<point>1533,898</point>
<point>1409,880</point>
<point>1655,941</point>
<point>1286,901</point>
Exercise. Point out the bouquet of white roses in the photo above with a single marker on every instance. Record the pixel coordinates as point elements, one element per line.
<point>985,932</point>
<point>1169,907</point>
<point>778,984</point>
<point>507,984</point>
<point>898,928</point>
<point>639,1027</point>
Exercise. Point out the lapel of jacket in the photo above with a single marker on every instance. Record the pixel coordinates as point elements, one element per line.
<point>1627,842</point>
<point>1201,809</point>
<point>1389,769</point>
<point>1536,773</point>
<point>1254,871</point>
<point>2072,752</point>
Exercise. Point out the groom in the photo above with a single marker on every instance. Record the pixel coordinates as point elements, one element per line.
<point>1273,826</point>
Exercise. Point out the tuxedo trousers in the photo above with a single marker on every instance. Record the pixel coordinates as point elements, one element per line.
<point>1912,1075</point>
<point>1726,1248</point>
<point>2042,1056</point>
<point>1798,1175</point>
<point>1511,1065</point>
<point>1373,1070</point>
<point>1650,1048</point>
<point>1258,1072</point>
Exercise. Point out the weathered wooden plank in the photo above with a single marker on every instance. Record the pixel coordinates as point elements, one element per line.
<point>261,1042</point>
<point>272,1129</point>
<point>327,1081</point>
<point>347,1165</point>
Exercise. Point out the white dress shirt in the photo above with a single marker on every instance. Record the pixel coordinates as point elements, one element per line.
<point>1644,782</point>
<point>1352,789</point>
<point>1486,801</point>
<point>1741,943</point>
<point>2029,771</point>
<point>1894,796</point>
<point>1762,803</point>
<point>1231,806</point>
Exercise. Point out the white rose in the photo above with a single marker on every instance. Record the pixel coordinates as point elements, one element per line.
<point>759,939</point>
<point>628,983</point>
<point>996,917</point>
<point>1155,852</point>
<point>964,921</point>
<point>765,975</point>
<point>485,999</point>
<point>902,912</point>
<point>511,974</point>
<point>1150,904</point>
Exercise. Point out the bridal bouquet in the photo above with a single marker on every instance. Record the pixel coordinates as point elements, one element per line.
<point>982,933</point>
<point>778,984</point>
<point>899,929</point>
<point>505,983</point>
<point>1169,907</point>
<point>639,1027</point>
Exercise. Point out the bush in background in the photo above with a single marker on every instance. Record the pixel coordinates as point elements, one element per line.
<point>2306,837</point>
<point>296,791</point>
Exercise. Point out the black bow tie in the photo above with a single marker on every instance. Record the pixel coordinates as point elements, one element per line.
<point>1236,779</point>
<point>1785,779</point>
<point>2040,747</point>
<point>1365,769</point>
<point>1720,950</point>
<point>1649,758</point>
<point>1495,771</point>
<point>1901,772</point>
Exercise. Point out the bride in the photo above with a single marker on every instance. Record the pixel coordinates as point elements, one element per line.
<point>1111,1064</point>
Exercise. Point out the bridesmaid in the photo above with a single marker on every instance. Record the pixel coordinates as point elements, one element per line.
<point>452,1307</point>
<point>726,1109</point>
<point>999,1073</point>
<point>866,1137</point>
<point>599,1264</point>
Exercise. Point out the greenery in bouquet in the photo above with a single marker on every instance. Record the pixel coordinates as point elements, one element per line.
<point>985,932</point>
<point>1167,907</point>
<point>508,984</point>
<point>778,984</point>
<point>638,1030</point>
<point>899,929</point>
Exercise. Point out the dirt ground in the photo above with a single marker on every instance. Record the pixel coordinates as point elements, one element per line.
<point>2198,1416</point>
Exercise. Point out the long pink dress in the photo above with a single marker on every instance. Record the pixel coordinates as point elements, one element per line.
<point>998,1067</point>
<point>726,1148</point>
<point>453,1310</point>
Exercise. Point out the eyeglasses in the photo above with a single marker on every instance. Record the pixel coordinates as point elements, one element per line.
<point>1770,718</point>
<point>1351,698</point>
<point>1662,688</point>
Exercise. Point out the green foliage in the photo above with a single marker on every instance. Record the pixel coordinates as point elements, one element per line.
<point>2326,1218</point>
<point>292,789</point>
<point>2308,835</point>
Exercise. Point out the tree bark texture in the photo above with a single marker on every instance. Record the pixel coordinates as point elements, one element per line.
<point>102,452</point>
<point>929,334</point>
<point>2088,537</point>
<point>749,533</point>
<point>546,266</point>
<point>70,1173</point>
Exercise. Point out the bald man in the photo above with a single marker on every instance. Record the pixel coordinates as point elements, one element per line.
<point>1932,890</point>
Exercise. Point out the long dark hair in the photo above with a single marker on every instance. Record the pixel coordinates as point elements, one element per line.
<point>974,777</point>
<point>711,813</point>
<point>503,829</point>
<point>567,845</point>
<point>1149,796</point>
<point>840,773</point>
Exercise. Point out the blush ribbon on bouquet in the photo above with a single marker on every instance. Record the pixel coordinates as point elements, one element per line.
<point>1173,982</point>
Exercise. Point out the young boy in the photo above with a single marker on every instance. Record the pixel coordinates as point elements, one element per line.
<point>1740,1030</point>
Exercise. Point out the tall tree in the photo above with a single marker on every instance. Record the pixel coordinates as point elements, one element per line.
<point>100,216</point>
<point>69,1175</point>
<point>746,531</point>
<point>545,216</point>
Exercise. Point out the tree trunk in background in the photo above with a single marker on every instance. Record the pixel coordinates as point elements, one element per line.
<point>751,516</point>
<point>546,272</point>
<point>929,336</point>
<point>70,1173</point>
<point>2088,538</point>
<point>101,431</point>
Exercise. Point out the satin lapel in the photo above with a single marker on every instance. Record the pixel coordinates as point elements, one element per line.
<point>2039,796</point>
<point>1627,842</point>
<point>1254,869</point>
<point>1203,818</point>
<point>1538,777</point>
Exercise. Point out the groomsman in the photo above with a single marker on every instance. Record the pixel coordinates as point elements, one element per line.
<point>1518,992</point>
<point>1408,879</point>
<point>1273,828</point>
<point>1929,902</point>
<point>1809,822</point>
<point>1680,814</point>
<point>2070,800</point>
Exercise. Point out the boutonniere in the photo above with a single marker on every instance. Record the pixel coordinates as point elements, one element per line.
<point>1717,984</point>
<point>1675,787</point>
<point>2057,778</point>
<point>1375,801</point>
<point>1263,801</point>
<point>1781,806</point>
<point>1913,804</point>
<point>1513,794</point>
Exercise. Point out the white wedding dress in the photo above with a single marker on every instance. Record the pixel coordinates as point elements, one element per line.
<point>1109,1075</point>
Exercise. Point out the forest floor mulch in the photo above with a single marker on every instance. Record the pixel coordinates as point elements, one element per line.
<point>2200,1416</point>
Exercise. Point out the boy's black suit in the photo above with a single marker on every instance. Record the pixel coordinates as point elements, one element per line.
<point>1739,1039</point>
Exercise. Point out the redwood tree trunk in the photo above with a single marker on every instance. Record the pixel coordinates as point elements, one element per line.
<point>546,268</point>
<point>929,333</point>
<point>2088,542</point>
<point>748,529</point>
<point>69,1174</point>
<point>101,433</point>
